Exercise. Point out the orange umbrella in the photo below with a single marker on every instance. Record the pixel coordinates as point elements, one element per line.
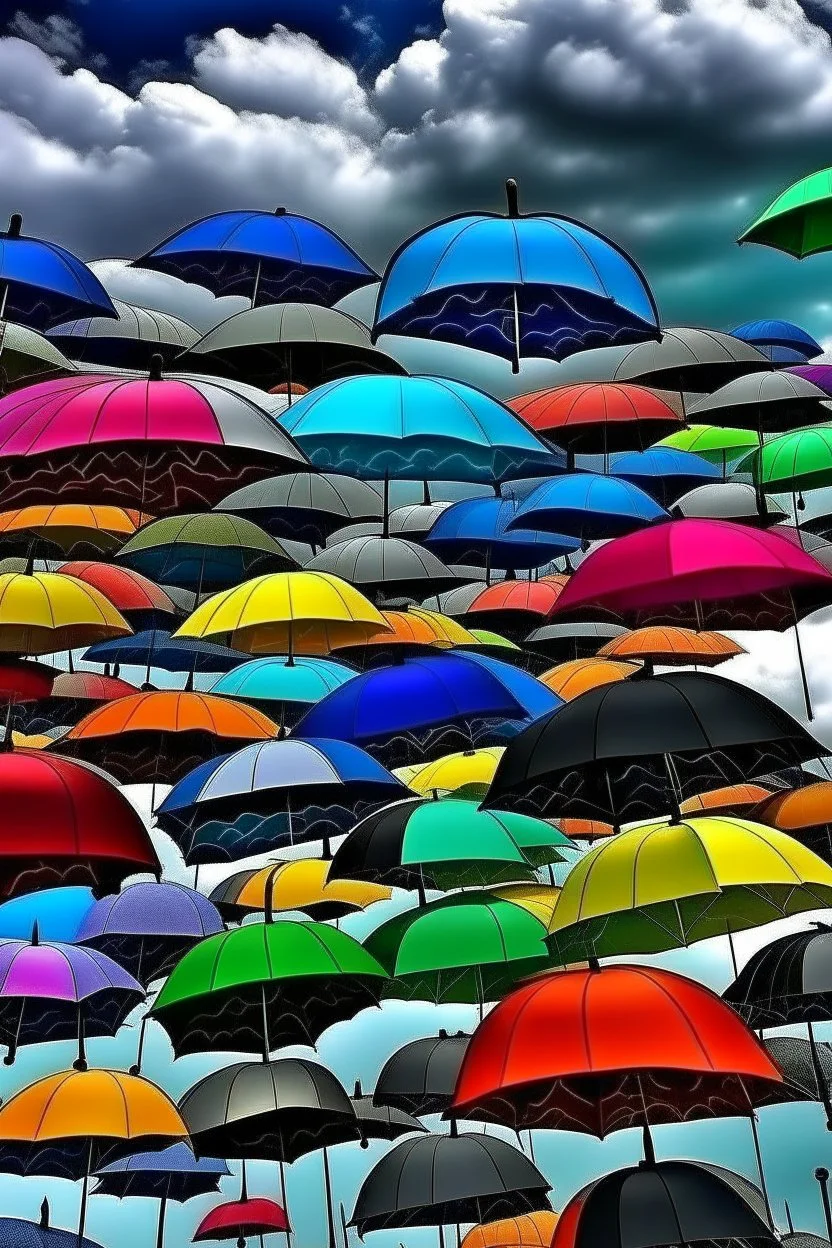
<point>66,526</point>
<point>569,680</point>
<point>418,627</point>
<point>804,812</point>
<point>729,799</point>
<point>584,829</point>
<point>669,647</point>
<point>163,734</point>
<point>529,1230</point>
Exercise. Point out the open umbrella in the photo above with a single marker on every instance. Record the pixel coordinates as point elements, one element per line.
<point>24,681</point>
<point>478,530</point>
<point>587,506</point>
<point>26,356</point>
<point>778,333</point>
<point>787,981</point>
<point>41,612</point>
<point>414,631</point>
<point>804,813</point>
<point>685,359</point>
<point>517,285</point>
<point>18,1233</point>
<point>598,417</point>
<point>128,341</point>
<point>203,552</point>
<point>64,529</point>
<point>140,601</point>
<point>305,506</point>
<point>772,402</point>
<point>509,606</point>
<point>576,639</point>
<point>569,680</point>
<point>385,567</point>
<point>302,884</point>
<point>41,284</point>
<point>527,1230</point>
<point>277,686</point>
<point>729,799</point>
<point>420,1077</point>
<point>155,647</point>
<point>267,257</point>
<point>663,472</point>
<point>174,1174</point>
<point>798,221</point>
<point>58,912</point>
<point>728,500</point>
<point>671,647</point>
<point>467,772</point>
<point>242,1218</point>
<point>73,695</point>
<point>717,443</point>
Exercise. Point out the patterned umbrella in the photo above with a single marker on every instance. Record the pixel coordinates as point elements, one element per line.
<point>172,1174</point>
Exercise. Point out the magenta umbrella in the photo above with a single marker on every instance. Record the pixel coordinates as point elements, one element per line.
<point>704,574</point>
<point>160,444</point>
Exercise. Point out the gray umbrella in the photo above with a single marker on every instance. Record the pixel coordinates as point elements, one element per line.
<point>421,1076</point>
<point>286,342</point>
<point>772,402</point>
<point>306,506</point>
<point>454,602</point>
<point>685,359</point>
<point>433,1180</point>
<point>382,1122</point>
<point>388,566</point>
<point>727,500</point>
<point>810,1074</point>
<point>127,341</point>
<point>415,519</point>
<point>574,640</point>
<point>27,356</point>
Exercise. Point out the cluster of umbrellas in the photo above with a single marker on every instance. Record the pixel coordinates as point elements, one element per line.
<point>461,743</point>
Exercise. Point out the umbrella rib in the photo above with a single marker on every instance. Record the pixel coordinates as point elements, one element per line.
<point>692,1030</point>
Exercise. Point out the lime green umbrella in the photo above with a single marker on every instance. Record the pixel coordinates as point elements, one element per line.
<point>486,638</point>
<point>712,442</point>
<point>797,461</point>
<point>799,221</point>
<point>266,985</point>
<point>470,948</point>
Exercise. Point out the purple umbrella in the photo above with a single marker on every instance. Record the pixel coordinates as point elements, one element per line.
<point>54,991</point>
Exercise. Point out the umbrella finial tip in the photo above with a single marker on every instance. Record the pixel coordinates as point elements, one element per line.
<point>35,933</point>
<point>280,211</point>
<point>156,362</point>
<point>512,197</point>
<point>15,225</point>
<point>44,1214</point>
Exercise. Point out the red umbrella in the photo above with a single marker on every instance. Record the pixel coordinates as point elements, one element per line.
<point>511,605</point>
<point>25,681</point>
<point>73,695</point>
<point>137,598</point>
<point>242,1218</point>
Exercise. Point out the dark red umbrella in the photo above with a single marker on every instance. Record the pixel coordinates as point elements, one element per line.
<point>23,680</point>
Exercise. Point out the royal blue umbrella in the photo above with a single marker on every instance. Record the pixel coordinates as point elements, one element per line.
<point>778,333</point>
<point>664,472</point>
<point>478,531</point>
<point>415,427</point>
<point>267,257</point>
<point>515,286</point>
<point>589,506</point>
<point>783,356</point>
<point>174,1173</point>
<point>42,284</point>
<point>58,913</point>
<point>157,648</point>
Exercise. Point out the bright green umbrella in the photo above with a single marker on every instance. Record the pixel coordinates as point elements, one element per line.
<point>716,444</point>
<point>486,638</point>
<point>470,948</point>
<point>799,221</point>
<point>801,460</point>
<point>266,985</point>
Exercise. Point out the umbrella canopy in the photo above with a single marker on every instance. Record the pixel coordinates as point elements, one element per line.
<point>23,681</point>
<point>794,462</point>
<point>268,257</point>
<point>798,221</point>
<point>435,1179</point>
<point>64,528</point>
<point>727,500</point>
<point>660,886</point>
<point>805,813</point>
<point>163,444</point>
<point>302,884</point>
<point>528,1230</point>
<point>717,443</point>
<point>65,822</point>
<point>598,417</point>
<point>18,1233</point>
<point>420,1077</point>
<point>539,899</point>
<point>58,913</point>
<point>605,755</point>
<point>511,606</point>
<point>135,596</point>
<point>42,284</point>
<point>415,520</point>
<point>636,1045</point>
<point>685,359</point>
<point>41,612</point>
<point>672,647</point>
<point>411,427</point>
<point>766,402</point>
<point>389,567</point>
<point>535,285</point>
<point>577,639</point>
<point>173,1173</point>
<point>306,506</point>
<point>778,333</point>
<point>242,1218</point>
<point>28,355</point>
<point>275,681</point>
<point>662,472</point>
<point>128,341</point>
<point>787,981</point>
<point>477,530</point>
<point>588,505</point>
<point>805,1064</point>
<point>203,552</point>
<point>819,373</point>
<point>569,680</point>
<point>415,628</point>
<point>148,926</point>
<point>468,770</point>
<point>296,612</point>
<point>155,647</point>
<point>382,1122</point>
<point>266,985</point>
<point>728,799</point>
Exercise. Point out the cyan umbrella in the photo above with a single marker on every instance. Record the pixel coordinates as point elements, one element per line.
<point>267,257</point>
<point>172,1174</point>
<point>58,913</point>
<point>478,531</point>
<point>588,506</point>
<point>515,286</point>
<point>663,472</point>
<point>272,682</point>
<point>41,284</point>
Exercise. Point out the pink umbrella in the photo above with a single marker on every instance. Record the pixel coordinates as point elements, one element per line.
<point>168,445</point>
<point>705,574</point>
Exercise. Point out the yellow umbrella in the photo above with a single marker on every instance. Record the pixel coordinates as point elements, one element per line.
<point>539,899</point>
<point>297,885</point>
<point>569,680</point>
<point>469,770</point>
<point>41,612</point>
<point>448,632</point>
<point>287,613</point>
<point>67,525</point>
<point>659,886</point>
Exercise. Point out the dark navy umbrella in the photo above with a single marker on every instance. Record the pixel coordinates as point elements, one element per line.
<point>19,1233</point>
<point>267,257</point>
<point>588,506</point>
<point>157,648</point>
<point>41,284</point>
<point>174,1173</point>
<point>478,531</point>
<point>664,472</point>
<point>515,286</point>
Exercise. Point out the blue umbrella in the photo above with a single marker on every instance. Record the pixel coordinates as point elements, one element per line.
<point>19,1233</point>
<point>477,530</point>
<point>415,427</point>
<point>589,506</point>
<point>173,1173</point>
<point>58,912</point>
<point>277,680</point>
<point>515,286</point>
<point>157,648</point>
<point>783,355</point>
<point>664,472</point>
<point>42,284</point>
<point>777,333</point>
<point>270,257</point>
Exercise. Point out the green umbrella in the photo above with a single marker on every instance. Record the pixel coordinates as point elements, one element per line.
<point>799,221</point>
<point>797,461</point>
<point>265,985</point>
<point>470,948</point>
<point>486,638</point>
<point>713,442</point>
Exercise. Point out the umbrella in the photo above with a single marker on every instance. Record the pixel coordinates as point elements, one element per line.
<point>466,948</point>
<point>58,912</point>
<point>420,1077</point>
<point>203,552</point>
<point>598,417</point>
<point>412,427</point>
<point>413,631</point>
<point>155,647</point>
<point>147,927</point>
<point>663,1203</point>
<point>28,355</point>
<point>386,567</point>
<point>660,886</point>
<point>266,985</point>
<point>574,640</point>
<point>51,991</point>
<point>41,612</point>
<point>432,1180</point>
<point>66,528</point>
<point>73,694</point>
<point>798,220</point>
<point>516,286</point>
<point>302,884</point>
<point>588,505</point>
<point>242,1218</point>
<point>804,813</point>
<point>66,823</point>
<point>685,359</point>
<point>128,341</point>
<point>41,284</point>
<point>635,748</point>
<point>275,683</point>
<point>172,1174</point>
<point>415,520</point>
<point>140,601</point>
<point>24,681</point>
<point>662,472</point>
<point>468,771</point>
<point>17,1233</point>
<point>727,500</point>
<point>295,612</point>
<point>787,981</point>
<point>527,1230</point>
<point>717,443</point>
<point>163,444</point>
<point>479,530</point>
<point>729,799</point>
<point>539,899</point>
<point>819,373</point>
<point>770,402</point>
<point>671,647</point>
<point>793,462</point>
<point>511,606</point>
<point>778,333</point>
<point>290,342</point>
<point>806,1067</point>
<point>270,257</point>
<point>305,506</point>
<point>163,735</point>
<point>569,680</point>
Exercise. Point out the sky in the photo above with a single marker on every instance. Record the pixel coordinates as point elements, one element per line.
<point>668,124</point>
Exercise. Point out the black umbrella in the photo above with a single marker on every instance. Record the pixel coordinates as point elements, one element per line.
<point>636,748</point>
<point>388,567</point>
<point>807,1069</point>
<point>421,1076</point>
<point>573,640</point>
<point>786,982</point>
<point>381,1122</point>
<point>306,506</point>
<point>434,1180</point>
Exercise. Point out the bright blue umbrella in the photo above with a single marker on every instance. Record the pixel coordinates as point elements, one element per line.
<point>588,506</point>
<point>277,679</point>
<point>42,284</point>
<point>477,530</point>
<point>415,427</point>
<point>515,286</point>
<point>778,333</point>
<point>156,648</point>
<point>267,257</point>
<point>58,912</point>
<point>664,472</point>
<point>173,1173</point>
